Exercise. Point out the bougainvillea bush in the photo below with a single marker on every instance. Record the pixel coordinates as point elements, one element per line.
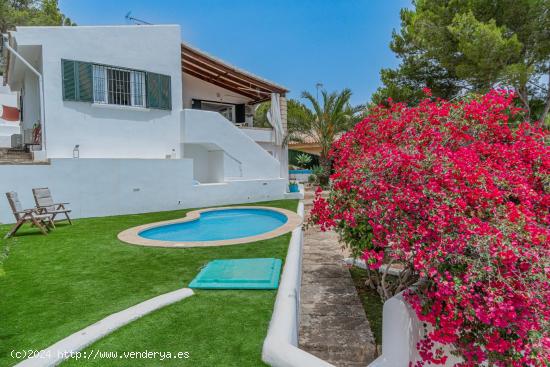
<point>459,193</point>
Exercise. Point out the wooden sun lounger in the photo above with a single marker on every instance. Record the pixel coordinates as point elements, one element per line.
<point>22,216</point>
<point>46,205</point>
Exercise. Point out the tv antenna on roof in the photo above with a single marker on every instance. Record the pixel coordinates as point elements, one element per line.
<point>130,19</point>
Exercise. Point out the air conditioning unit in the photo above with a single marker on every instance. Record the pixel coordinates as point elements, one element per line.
<point>17,141</point>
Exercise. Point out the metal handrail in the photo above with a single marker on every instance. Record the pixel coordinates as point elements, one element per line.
<point>238,162</point>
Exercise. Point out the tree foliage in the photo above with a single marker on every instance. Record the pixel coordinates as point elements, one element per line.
<point>295,111</point>
<point>303,160</point>
<point>31,13</point>
<point>323,122</point>
<point>15,13</point>
<point>455,47</point>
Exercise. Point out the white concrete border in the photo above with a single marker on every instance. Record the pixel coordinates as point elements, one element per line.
<point>401,332</point>
<point>360,263</point>
<point>63,349</point>
<point>280,347</point>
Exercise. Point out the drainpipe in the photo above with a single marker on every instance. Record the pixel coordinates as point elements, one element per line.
<point>40,86</point>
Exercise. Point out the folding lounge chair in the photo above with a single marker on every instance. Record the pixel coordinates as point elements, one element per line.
<point>46,205</point>
<point>41,221</point>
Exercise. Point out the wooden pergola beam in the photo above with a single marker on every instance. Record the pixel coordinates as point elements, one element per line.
<point>186,50</point>
<point>209,80</point>
<point>217,72</point>
<point>223,74</point>
<point>213,78</point>
<point>223,78</point>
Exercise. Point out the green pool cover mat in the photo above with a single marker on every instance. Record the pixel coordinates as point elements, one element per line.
<point>239,274</point>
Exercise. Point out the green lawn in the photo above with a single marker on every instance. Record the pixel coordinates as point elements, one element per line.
<point>371,302</point>
<point>52,286</point>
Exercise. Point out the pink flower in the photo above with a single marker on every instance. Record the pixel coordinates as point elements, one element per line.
<point>373,259</point>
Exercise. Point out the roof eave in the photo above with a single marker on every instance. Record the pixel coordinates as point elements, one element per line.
<point>215,71</point>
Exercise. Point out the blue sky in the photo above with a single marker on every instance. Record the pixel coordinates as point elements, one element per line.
<point>296,43</point>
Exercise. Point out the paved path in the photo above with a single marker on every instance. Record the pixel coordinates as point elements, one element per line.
<point>333,322</point>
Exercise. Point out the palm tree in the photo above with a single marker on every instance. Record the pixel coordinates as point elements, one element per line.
<point>324,123</point>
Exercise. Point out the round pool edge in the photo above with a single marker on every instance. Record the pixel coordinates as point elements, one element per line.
<point>131,235</point>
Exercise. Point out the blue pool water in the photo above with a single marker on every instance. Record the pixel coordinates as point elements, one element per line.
<point>299,171</point>
<point>216,225</point>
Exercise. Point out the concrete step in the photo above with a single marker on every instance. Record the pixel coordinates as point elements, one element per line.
<point>310,194</point>
<point>23,162</point>
<point>14,155</point>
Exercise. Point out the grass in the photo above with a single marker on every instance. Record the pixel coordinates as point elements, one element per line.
<point>371,302</point>
<point>55,285</point>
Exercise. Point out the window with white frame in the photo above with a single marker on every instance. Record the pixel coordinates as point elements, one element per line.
<point>118,86</point>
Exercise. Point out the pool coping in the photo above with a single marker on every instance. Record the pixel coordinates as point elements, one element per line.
<point>131,235</point>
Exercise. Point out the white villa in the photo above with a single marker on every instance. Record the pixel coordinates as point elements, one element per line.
<point>128,119</point>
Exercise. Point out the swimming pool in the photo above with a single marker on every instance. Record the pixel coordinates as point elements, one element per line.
<point>219,225</point>
<point>215,227</point>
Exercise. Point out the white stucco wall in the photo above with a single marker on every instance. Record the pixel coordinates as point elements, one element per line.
<point>216,165</point>
<point>100,187</point>
<point>263,135</point>
<point>31,100</point>
<point>108,131</point>
<point>199,155</point>
<point>208,164</point>
<point>96,187</point>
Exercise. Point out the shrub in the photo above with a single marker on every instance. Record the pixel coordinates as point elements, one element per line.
<point>303,160</point>
<point>318,172</point>
<point>459,194</point>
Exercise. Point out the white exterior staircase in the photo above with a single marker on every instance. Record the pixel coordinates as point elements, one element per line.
<point>215,132</point>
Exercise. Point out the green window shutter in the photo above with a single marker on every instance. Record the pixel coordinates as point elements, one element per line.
<point>159,91</point>
<point>165,92</point>
<point>85,82</point>
<point>77,81</point>
<point>153,96</point>
<point>68,69</point>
